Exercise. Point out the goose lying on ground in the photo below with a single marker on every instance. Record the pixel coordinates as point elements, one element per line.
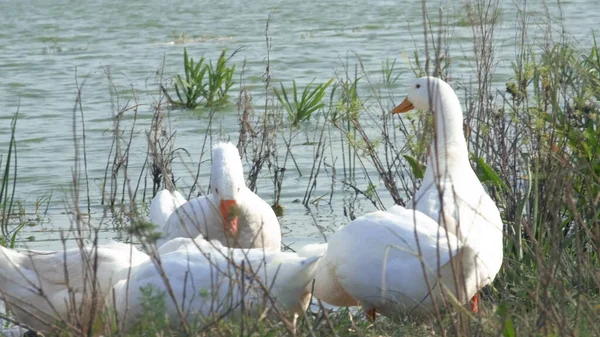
<point>406,261</point>
<point>204,278</point>
<point>163,205</point>
<point>41,288</point>
<point>230,213</point>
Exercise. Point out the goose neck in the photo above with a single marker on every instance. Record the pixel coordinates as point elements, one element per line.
<point>449,148</point>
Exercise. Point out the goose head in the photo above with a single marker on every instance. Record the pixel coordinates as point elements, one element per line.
<point>425,93</point>
<point>437,97</point>
<point>227,184</point>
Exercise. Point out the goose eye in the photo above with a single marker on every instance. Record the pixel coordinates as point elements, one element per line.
<point>418,86</point>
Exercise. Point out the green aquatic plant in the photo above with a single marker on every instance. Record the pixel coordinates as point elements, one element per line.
<point>389,72</point>
<point>349,103</point>
<point>301,107</point>
<point>220,80</point>
<point>8,188</point>
<point>203,82</point>
<point>189,89</point>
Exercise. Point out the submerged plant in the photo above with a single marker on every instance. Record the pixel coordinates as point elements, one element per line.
<point>301,108</point>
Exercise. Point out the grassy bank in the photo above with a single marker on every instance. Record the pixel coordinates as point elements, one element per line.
<point>534,142</point>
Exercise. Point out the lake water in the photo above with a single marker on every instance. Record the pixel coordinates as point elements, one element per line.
<point>46,45</point>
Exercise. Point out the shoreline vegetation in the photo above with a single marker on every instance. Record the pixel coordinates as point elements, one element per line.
<point>534,143</point>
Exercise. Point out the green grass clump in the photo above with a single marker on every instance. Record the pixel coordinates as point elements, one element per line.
<point>301,107</point>
<point>203,82</point>
<point>389,72</point>
<point>7,190</point>
<point>153,320</point>
<point>220,80</point>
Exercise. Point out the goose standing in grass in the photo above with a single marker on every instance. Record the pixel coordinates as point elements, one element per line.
<point>451,193</point>
<point>408,261</point>
<point>41,288</point>
<point>231,213</point>
<point>207,280</point>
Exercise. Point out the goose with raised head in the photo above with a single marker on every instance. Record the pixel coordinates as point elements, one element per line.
<point>231,213</point>
<point>446,246</point>
<point>205,279</point>
<point>450,193</point>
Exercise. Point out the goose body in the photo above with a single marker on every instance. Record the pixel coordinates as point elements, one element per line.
<point>163,205</point>
<point>394,262</point>
<point>231,213</point>
<point>206,279</point>
<point>41,288</point>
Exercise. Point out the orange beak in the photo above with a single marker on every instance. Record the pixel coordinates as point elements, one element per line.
<point>229,211</point>
<point>405,106</point>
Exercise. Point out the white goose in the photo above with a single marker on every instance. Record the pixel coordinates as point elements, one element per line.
<point>41,288</point>
<point>230,213</point>
<point>405,261</point>
<point>450,188</point>
<point>206,279</point>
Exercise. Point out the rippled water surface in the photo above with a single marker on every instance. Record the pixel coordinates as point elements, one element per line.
<point>47,47</point>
